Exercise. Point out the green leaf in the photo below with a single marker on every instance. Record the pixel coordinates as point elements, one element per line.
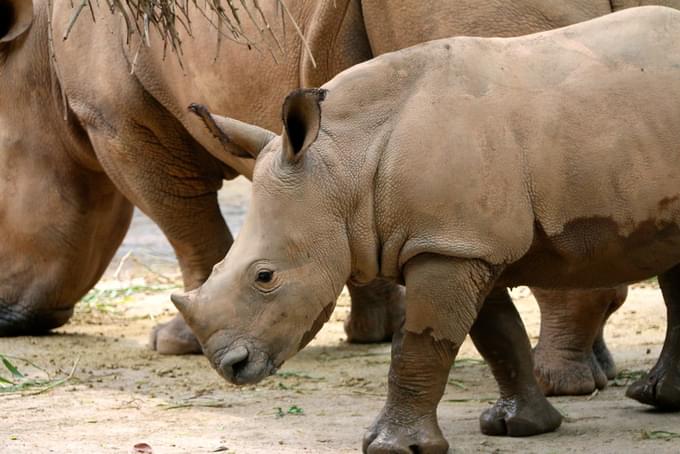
<point>295,410</point>
<point>659,435</point>
<point>11,368</point>
<point>457,383</point>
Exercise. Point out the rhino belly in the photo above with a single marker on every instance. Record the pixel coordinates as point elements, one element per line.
<point>592,253</point>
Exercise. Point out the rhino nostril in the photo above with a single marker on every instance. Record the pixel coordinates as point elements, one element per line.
<point>234,360</point>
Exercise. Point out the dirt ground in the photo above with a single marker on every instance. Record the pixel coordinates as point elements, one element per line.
<point>120,393</point>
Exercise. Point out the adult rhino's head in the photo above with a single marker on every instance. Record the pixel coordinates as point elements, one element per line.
<point>279,282</point>
<point>60,217</point>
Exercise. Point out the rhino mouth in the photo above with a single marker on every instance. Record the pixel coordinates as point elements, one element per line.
<point>16,322</point>
<point>242,365</point>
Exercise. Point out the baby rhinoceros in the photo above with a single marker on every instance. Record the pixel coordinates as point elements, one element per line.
<point>458,168</point>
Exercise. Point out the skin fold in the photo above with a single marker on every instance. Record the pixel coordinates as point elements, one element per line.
<point>128,139</point>
<point>578,126</point>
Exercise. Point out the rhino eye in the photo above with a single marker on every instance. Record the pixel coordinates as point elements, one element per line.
<point>265,276</point>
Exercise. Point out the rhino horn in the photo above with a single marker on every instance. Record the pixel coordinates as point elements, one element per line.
<point>238,138</point>
<point>183,301</point>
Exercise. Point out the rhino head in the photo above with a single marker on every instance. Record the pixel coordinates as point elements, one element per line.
<point>279,282</point>
<point>61,219</point>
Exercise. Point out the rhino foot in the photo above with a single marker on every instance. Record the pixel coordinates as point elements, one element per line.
<point>559,376</point>
<point>423,436</point>
<point>660,388</point>
<point>520,417</point>
<point>174,338</point>
<point>377,312</point>
<point>604,358</point>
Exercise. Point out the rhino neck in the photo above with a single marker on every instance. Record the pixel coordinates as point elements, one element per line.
<point>30,83</point>
<point>359,116</point>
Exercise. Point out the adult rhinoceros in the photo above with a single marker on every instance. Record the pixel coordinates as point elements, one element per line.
<point>83,138</point>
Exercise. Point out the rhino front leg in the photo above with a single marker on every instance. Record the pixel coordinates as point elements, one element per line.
<point>570,342</point>
<point>499,335</point>
<point>442,298</point>
<point>661,386</point>
<point>165,173</point>
<point>377,312</point>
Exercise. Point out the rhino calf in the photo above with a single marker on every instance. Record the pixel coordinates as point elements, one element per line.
<point>553,160</point>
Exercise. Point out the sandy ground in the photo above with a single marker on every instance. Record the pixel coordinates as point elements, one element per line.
<point>120,393</point>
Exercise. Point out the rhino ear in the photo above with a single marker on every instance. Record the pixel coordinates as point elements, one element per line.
<point>237,138</point>
<point>16,17</point>
<point>301,121</point>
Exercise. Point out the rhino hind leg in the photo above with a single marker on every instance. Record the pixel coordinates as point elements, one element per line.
<point>661,386</point>
<point>377,312</point>
<point>604,357</point>
<point>571,357</point>
<point>600,350</point>
<point>522,409</point>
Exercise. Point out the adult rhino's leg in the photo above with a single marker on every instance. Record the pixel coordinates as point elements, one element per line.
<point>377,311</point>
<point>499,335</point>
<point>600,350</point>
<point>571,321</point>
<point>661,386</point>
<point>442,297</point>
<point>165,173</point>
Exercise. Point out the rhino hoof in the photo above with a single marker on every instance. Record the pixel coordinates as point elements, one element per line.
<point>388,437</point>
<point>567,377</point>
<point>659,388</point>
<point>520,417</point>
<point>174,338</point>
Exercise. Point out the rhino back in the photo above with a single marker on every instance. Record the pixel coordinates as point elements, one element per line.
<point>395,25</point>
<point>490,141</point>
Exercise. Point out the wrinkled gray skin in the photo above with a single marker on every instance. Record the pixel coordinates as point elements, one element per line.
<point>553,161</point>
<point>128,139</point>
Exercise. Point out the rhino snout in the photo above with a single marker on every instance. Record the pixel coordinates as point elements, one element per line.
<point>233,361</point>
<point>243,365</point>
